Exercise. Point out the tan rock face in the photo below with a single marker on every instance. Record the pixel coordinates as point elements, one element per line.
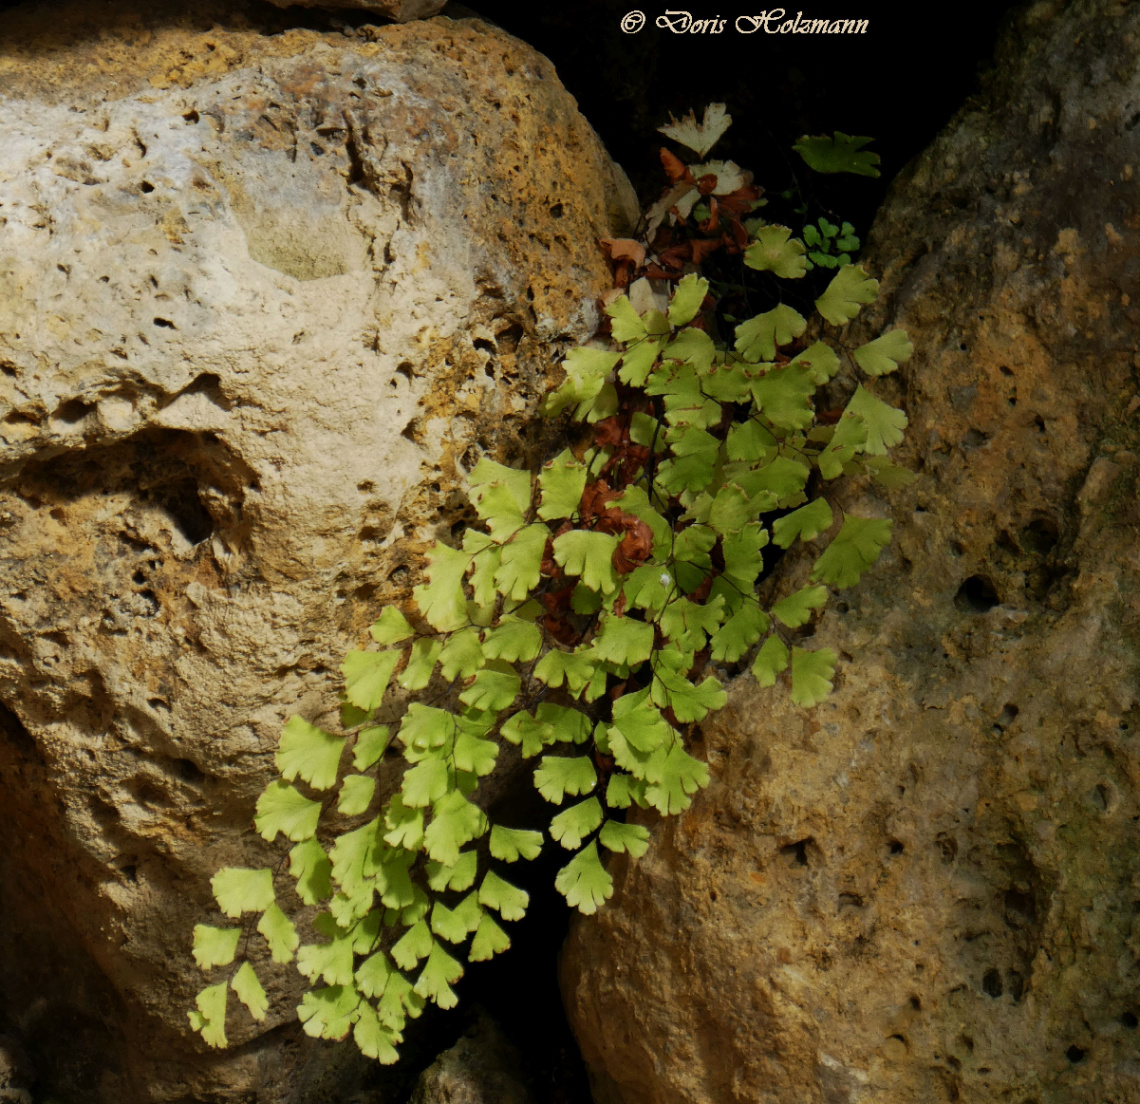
<point>263,301</point>
<point>926,889</point>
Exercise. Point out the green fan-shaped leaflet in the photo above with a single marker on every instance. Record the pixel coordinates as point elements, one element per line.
<point>214,946</point>
<point>443,600</point>
<point>356,793</point>
<point>489,940</point>
<point>796,609</point>
<point>240,890</point>
<point>883,423</point>
<point>312,870</point>
<point>416,943</point>
<point>462,655</point>
<point>771,659</point>
<point>209,1020</point>
<point>391,627</point>
<point>680,776</point>
<point>572,825</point>
<point>885,353</point>
<point>456,924</point>
<point>507,900</point>
<point>618,836</point>
<point>310,753</point>
<point>248,988</point>
<point>739,632</point>
<point>520,562</point>
<point>561,775</point>
<point>374,1039</point>
<point>775,250</point>
<point>812,672</point>
<point>496,685</point>
<point>849,290</point>
<point>329,1012</point>
<point>819,360</point>
<point>440,972</point>
<point>625,323</point>
<point>758,338</point>
<point>806,523</point>
<point>584,882</point>
<point>454,823</point>
<point>458,876</point>
<point>280,934</point>
<point>687,298</point>
<point>422,657</point>
<point>589,555</point>
<point>855,549</point>
<point>510,844</point>
<point>843,153</point>
<point>586,372</point>
<point>371,743</point>
<point>366,677</point>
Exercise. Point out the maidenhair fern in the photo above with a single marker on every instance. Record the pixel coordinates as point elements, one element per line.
<point>589,619</point>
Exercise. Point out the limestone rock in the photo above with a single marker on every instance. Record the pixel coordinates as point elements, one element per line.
<point>482,1068</point>
<point>264,300</point>
<point>925,890</point>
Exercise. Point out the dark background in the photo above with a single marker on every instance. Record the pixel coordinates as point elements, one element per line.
<point>900,82</point>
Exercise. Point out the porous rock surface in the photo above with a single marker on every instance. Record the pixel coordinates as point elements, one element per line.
<point>264,298</point>
<point>926,889</point>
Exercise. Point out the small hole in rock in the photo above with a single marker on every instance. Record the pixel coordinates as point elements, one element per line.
<point>146,186</point>
<point>976,595</point>
<point>896,847</point>
<point>189,771</point>
<point>797,852</point>
<point>73,411</point>
<point>556,211</point>
<point>1129,1020</point>
<point>1020,908</point>
<point>165,324</point>
<point>191,116</point>
<point>1075,1054</point>
<point>991,984</point>
<point>1040,535</point>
